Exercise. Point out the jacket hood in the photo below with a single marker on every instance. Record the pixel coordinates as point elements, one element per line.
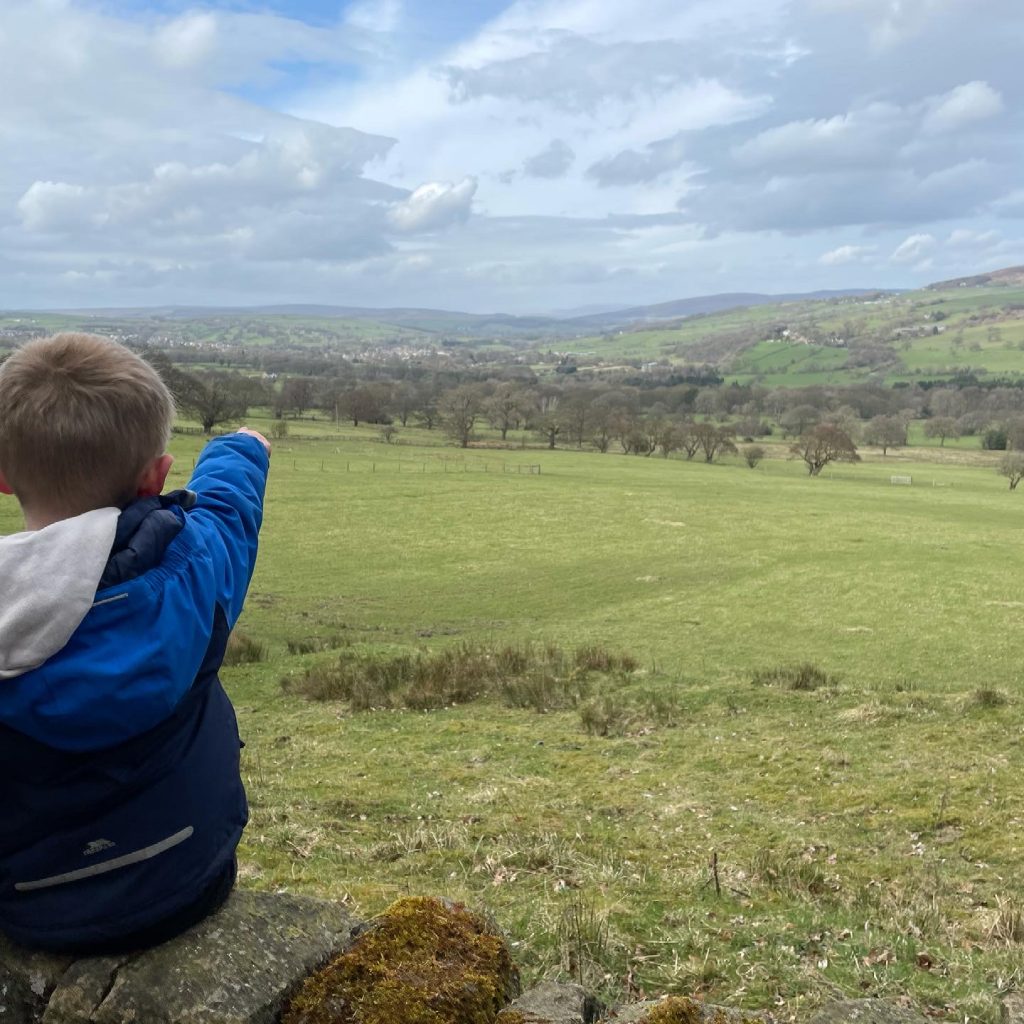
<point>48,583</point>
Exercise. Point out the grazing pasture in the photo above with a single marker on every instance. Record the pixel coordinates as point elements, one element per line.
<point>826,703</point>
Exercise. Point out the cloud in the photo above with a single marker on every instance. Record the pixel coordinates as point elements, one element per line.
<point>434,206</point>
<point>551,162</point>
<point>187,40</point>
<point>965,105</point>
<point>892,22</point>
<point>229,153</point>
<point>914,249</point>
<point>632,167</point>
<point>846,254</point>
<point>375,15</point>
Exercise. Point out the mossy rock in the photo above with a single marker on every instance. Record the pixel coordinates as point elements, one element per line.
<point>423,961</point>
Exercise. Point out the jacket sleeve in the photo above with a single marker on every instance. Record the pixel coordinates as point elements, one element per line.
<point>229,481</point>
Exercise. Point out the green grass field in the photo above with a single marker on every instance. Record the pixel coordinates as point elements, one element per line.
<point>867,831</point>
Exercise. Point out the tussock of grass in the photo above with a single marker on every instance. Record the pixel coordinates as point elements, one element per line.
<point>986,697</point>
<point>796,873</point>
<point>313,644</point>
<point>583,945</point>
<point>244,650</point>
<point>795,677</point>
<point>543,678</point>
<point>1007,925</point>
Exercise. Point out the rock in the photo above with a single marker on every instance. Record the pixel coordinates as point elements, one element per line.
<point>681,1010</point>
<point>865,1011</point>
<point>236,967</point>
<point>1013,1008</point>
<point>26,982</point>
<point>552,1002</point>
<point>423,960</point>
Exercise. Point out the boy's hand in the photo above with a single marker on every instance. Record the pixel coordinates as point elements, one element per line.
<point>258,436</point>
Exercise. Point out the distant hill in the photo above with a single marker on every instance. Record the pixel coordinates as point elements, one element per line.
<point>704,304</point>
<point>442,321</point>
<point>1010,277</point>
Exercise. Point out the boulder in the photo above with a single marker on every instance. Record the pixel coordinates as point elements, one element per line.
<point>236,967</point>
<point>1013,1008</point>
<point>865,1011</point>
<point>552,1002</point>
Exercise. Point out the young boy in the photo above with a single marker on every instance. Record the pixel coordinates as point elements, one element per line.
<point>121,802</point>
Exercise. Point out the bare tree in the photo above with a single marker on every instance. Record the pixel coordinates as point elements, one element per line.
<point>211,398</point>
<point>458,410</point>
<point>885,432</point>
<point>823,444</point>
<point>942,427</point>
<point>1011,465</point>
<point>714,441</point>
<point>504,408</point>
<point>689,439</point>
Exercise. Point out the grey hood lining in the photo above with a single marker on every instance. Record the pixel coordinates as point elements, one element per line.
<point>48,581</point>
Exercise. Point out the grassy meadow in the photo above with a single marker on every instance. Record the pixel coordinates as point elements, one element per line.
<point>866,817</point>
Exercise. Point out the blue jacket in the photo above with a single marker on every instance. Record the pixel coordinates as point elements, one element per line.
<point>120,794</point>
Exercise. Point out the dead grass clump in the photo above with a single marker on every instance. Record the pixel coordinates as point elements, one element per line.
<point>806,677</point>
<point>244,650</point>
<point>606,715</point>
<point>986,697</point>
<point>1007,926</point>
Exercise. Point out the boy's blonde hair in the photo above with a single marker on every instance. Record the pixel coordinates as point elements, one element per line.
<point>80,417</point>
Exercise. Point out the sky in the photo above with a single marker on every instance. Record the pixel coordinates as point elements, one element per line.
<point>523,156</point>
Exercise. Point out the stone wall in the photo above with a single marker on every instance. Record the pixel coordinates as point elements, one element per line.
<point>265,955</point>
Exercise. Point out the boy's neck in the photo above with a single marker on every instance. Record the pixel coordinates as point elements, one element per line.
<point>40,520</point>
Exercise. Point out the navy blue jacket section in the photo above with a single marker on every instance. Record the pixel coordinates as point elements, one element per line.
<point>120,793</point>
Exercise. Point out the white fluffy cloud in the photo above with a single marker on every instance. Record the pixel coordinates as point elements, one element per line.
<point>965,105</point>
<point>434,206</point>
<point>847,254</point>
<point>914,249</point>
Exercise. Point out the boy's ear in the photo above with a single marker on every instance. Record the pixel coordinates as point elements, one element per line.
<point>5,487</point>
<point>154,476</point>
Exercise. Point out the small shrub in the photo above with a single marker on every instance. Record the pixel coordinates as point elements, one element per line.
<point>794,677</point>
<point>753,454</point>
<point>244,650</point>
<point>994,440</point>
<point>279,430</point>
